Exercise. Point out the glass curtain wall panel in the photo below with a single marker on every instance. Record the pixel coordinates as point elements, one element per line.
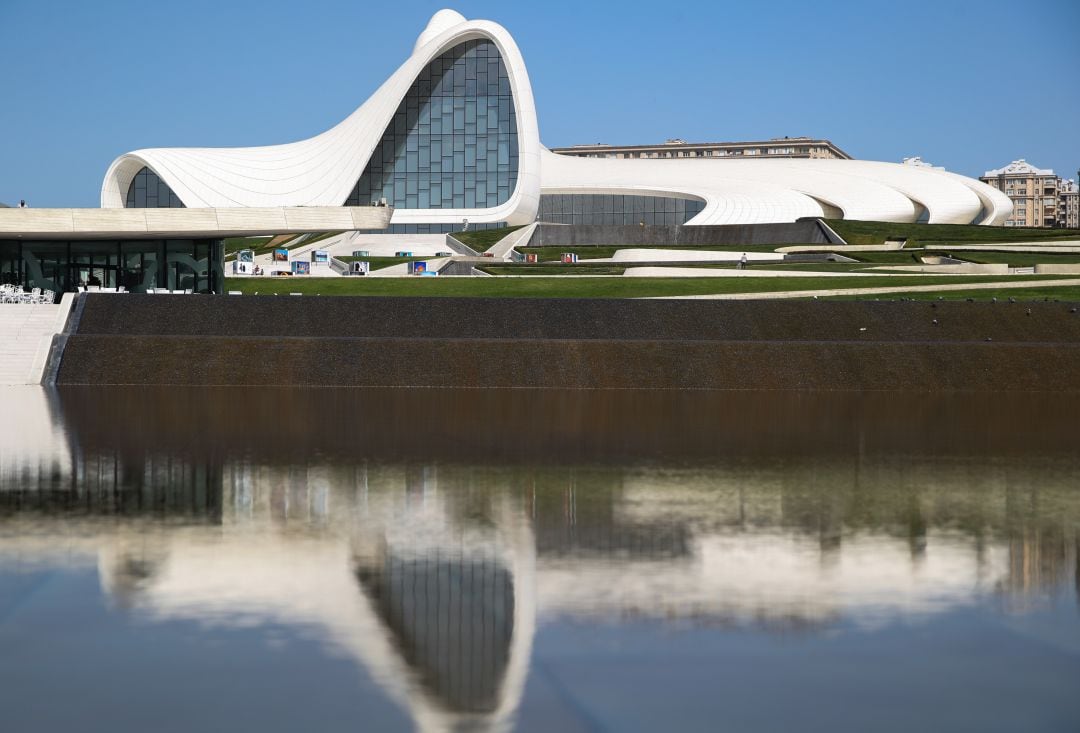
<point>453,141</point>
<point>148,191</point>
<point>617,210</point>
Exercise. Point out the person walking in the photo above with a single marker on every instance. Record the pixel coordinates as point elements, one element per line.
<point>22,204</point>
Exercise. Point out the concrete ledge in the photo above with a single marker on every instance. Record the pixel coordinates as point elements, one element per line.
<point>966,268</point>
<point>1058,269</point>
<point>212,223</point>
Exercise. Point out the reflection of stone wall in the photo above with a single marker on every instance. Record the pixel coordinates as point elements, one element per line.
<point>567,427</point>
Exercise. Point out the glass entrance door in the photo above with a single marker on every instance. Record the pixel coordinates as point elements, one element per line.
<point>95,263</point>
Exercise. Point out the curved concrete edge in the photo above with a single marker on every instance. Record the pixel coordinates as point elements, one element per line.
<point>686,255</point>
<point>842,248</point>
<point>725,272</point>
<point>967,268</point>
<point>895,289</point>
<point>1069,247</point>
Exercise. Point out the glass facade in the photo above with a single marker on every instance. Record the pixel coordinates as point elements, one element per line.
<point>176,264</point>
<point>453,141</point>
<point>147,191</point>
<point>616,210</point>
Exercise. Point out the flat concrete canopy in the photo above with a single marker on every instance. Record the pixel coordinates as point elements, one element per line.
<point>183,223</point>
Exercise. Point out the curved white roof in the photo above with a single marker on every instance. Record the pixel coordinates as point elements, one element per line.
<point>322,170</point>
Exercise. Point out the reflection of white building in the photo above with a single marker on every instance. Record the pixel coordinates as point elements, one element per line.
<point>34,452</point>
<point>438,593</point>
<point>453,134</point>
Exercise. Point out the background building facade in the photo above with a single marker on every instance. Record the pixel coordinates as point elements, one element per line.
<point>1034,192</point>
<point>1069,204</point>
<point>781,147</point>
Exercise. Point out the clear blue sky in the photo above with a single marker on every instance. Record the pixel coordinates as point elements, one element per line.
<point>968,84</point>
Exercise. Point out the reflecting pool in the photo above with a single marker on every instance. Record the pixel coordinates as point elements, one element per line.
<point>282,560</point>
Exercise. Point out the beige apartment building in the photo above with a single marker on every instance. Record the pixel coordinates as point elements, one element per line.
<point>1069,204</point>
<point>1034,192</point>
<point>781,147</point>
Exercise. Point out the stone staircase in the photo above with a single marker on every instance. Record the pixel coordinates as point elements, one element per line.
<point>26,333</point>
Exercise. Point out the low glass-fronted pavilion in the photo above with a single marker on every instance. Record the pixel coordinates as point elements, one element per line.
<point>135,264</point>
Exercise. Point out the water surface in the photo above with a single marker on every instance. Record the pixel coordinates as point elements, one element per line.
<point>518,560</point>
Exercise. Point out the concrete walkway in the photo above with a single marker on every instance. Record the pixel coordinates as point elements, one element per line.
<point>896,289</point>
<point>434,264</point>
<point>684,255</point>
<point>731,272</point>
<point>344,244</point>
<point>26,333</point>
<point>501,249</point>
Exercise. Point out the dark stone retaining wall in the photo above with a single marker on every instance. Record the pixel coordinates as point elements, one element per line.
<point>561,318</point>
<point>479,342</point>
<point>808,231</point>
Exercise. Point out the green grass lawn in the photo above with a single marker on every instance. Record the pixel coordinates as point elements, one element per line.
<point>261,244</point>
<point>552,269</point>
<point>930,235</point>
<point>899,257</point>
<point>481,239</point>
<point>235,244</point>
<point>564,287</point>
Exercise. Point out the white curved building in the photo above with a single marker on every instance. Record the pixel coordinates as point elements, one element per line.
<point>453,135</point>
